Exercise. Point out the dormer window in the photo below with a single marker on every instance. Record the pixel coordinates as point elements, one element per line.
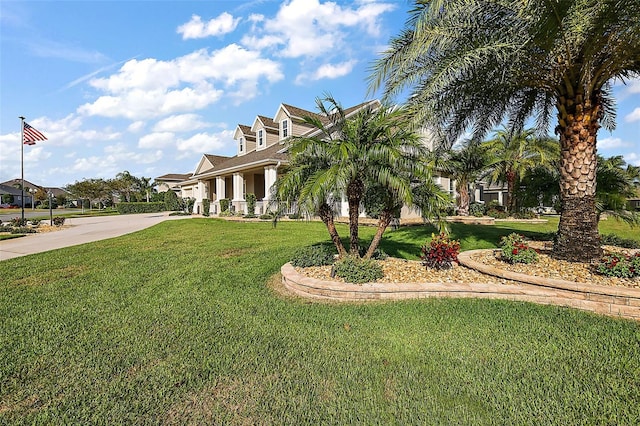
<point>285,128</point>
<point>241,144</point>
<point>260,137</point>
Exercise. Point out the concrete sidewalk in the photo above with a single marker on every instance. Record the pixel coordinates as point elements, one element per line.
<point>80,231</point>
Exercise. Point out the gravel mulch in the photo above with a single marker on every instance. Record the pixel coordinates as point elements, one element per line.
<point>405,271</point>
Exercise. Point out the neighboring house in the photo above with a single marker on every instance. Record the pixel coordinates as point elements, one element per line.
<point>31,188</point>
<point>16,194</point>
<point>487,192</point>
<point>634,203</point>
<point>171,181</point>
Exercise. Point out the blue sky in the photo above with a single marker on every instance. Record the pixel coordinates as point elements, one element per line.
<point>149,86</point>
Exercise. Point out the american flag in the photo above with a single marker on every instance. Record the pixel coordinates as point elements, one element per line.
<point>31,135</point>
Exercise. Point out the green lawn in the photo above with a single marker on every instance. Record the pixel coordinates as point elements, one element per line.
<point>179,324</point>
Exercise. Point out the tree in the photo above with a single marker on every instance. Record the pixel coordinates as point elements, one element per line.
<point>511,154</point>
<point>464,165</point>
<point>94,190</point>
<point>126,185</point>
<point>471,64</point>
<point>375,146</point>
<point>171,202</point>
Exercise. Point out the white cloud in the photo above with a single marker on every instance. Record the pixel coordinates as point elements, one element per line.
<point>205,142</point>
<point>633,116</point>
<point>151,88</point>
<point>195,28</point>
<point>180,123</point>
<point>611,143</point>
<point>632,158</point>
<point>136,126</point>
<point>115,159</point>
<point>311,28</point>
<point>156,140</point>
<point>329,71</point>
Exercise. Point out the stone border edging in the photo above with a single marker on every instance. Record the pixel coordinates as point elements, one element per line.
<point>599,302</point>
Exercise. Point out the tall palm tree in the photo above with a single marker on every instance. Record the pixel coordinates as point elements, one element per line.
<point>372,146</point>
<point>471,64</point>
<point>513,153</point>
<point>465,165</point>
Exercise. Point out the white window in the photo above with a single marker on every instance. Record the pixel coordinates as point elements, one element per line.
<point>285,129</point>
<point>241,144</point>
<point>260,137</point>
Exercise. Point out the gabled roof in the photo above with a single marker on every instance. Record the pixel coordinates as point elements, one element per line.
<point>18,183</point>
<point>269,125</point>
<point>174,177</point>
<point>246,132</point>
<point>8,189</point>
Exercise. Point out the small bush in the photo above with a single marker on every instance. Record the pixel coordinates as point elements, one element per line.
<point>476,209</point>
<point>35,222</point>
<point>619,265</point>
<point>206,207</point>
<point>171,202</point>
<point>516,250</point>
<point>224,205</point>
<point>497,214</point>
<point>22,230</point>
<point>356,270</point>
<point>295,216</point>
<point>440,253</point>
<point>614,240</point>
<point>16,221</point>
<point>251,203</point>
<point>267,216</point>
<point>58,220</point>
<point>525,214</point>
<point>319,255</point>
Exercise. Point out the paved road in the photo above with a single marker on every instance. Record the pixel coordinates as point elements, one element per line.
<point>81,230</point>
<point>28,213</point>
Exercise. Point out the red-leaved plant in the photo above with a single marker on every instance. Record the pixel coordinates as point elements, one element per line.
<point>440,253</point>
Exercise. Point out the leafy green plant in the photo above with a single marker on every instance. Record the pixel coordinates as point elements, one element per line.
<point>171,202</point>
<point>614,240</point>
<point>516,250</point>
<point>140,207</point>
<point>251,203</point>
<point>35,222</point>
<point>441,252</point>
<point>16,221</point>
<point>317,255</point>
<point>619,265</point>
<point>22,230</point>
<point>224,205</point>
<point>476,209</point>
<point>206,207</point>
<point>59,220</point>
<point>356,270</point>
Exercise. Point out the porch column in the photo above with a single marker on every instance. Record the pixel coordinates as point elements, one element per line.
<point>238,190</point>
<point>220,188</point>
<point>270,176</point>
<point>500,200</point>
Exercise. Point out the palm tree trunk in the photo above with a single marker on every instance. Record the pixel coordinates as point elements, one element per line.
<point>463,193</point>
<point>355,190</point>
<point>578,239</point>
<point>511,184</point>
<point>383,222</point>
<point>327,218</point>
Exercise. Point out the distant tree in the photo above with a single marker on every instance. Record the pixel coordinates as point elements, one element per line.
<point>511,154</point>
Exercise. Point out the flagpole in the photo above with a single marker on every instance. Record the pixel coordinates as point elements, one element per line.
<point>22,161</point>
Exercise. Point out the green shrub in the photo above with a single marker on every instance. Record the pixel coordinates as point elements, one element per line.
<point>131,208</point>
<point>171,202</point>
<point>251,203</point>
<point>206,207</point>
<point>619,265</point>
<point>225,213</point>
<point>318,255</point>
<point>497,214</point>
<point>524,214</point>
<point>614,240</point>
<point>59,220</point>
<point>295,216</point>
<point>440,253</point>
<point>268,216</point>
<point>476,209</point>
<point>378,254</point>
<point>224,205</point>
<point>356,270</point>
<point>516,250</point>
<point>35,222</point>
<point>22,230</point>
<point>187,204</point>
<point>16,221</point>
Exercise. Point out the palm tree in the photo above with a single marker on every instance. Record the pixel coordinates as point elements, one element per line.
<point>471,64</point>
<point>374,146</point>
<point>616,184</point>
<point>464,165</point>
<point>513,154</point>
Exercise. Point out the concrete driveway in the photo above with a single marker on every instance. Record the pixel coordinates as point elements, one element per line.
<point>80,231</point>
